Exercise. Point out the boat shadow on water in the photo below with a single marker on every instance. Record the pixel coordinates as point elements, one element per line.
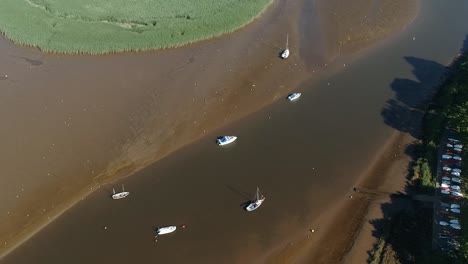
<point>246,195</point>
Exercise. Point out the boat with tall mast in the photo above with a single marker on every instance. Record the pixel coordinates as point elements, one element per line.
<point>285,53</point>
<point>121,194</point>
<point>259,199</point>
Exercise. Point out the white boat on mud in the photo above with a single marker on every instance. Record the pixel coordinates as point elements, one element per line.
<point>225,140</point>
<point>294,96</point>
<point>285,53</point>
<point>121,194</point>
<point>259,199</point>
<point>165,230</point>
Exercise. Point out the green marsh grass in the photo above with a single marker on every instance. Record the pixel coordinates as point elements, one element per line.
<point>107,26</point>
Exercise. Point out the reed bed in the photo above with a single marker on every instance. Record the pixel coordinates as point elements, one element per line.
<point>108,26</point>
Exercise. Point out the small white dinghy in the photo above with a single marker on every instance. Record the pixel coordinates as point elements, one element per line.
<point>165,230</point>
<point>259,199</point>
<point>225,140</point>
<point>120,195</point>
<point>294,96</point>
<point>285,53</point>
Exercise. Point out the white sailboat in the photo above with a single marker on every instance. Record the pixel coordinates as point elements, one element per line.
<point>259,199</point>
<point>121,194</point>
<point>285,53</point>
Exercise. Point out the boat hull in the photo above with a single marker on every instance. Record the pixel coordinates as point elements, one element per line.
<point>254,205</point>
<point>230,140</point>
<point>294,96</point>
<point>120,195</point>
<point>166,230</point>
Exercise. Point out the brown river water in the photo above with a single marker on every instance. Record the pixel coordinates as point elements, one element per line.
<point>305,156</point>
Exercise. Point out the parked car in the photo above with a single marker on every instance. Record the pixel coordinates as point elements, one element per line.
<point>456,157</point>
<point>445,168</point>
<point>447,157</point>
<point>457,180</point>
<point>451,196</point>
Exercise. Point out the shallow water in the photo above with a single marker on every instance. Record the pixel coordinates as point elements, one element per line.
<point>305,156</point>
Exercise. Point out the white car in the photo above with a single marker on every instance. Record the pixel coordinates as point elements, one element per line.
<point>444,191</point>
<point>449,145</point>
<point>458,194</point>
<point>446,168</point>
<point>455,173</point>
<point>455,226</point>
<point>457,180</point>
<point>455,210</point>
<point>453,140</point>
<point>445,156</point>
<point>457,149</point>
<point>456,157</point>
<point>445,178</point>
<point>443,223</point>
<point>458,146</point>
<point>457,170</point>
<point>445,185</point>
<point>455,188</point>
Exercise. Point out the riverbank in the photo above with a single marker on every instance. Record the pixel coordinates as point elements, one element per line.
<point>137,110</point>
<point>398,229</point>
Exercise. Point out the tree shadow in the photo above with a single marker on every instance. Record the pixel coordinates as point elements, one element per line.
<point>405,111</point>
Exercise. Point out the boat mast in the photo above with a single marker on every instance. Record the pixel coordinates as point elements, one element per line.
<point>123,189</point>
<point>258,192</point>
<point>113,190</point>
<point>287,40</point>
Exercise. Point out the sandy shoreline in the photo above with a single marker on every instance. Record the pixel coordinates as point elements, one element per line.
<point>234,98</point>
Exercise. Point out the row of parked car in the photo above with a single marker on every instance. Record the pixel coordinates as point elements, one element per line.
<point>449,208</point>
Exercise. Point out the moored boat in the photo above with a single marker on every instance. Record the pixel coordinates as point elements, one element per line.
<point>225,140</point>
<point>257,202</point>
<point>294,96</point>
<point>165,230</point>
<point>120,195</point>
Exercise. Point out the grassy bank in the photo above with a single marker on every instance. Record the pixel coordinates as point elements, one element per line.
<point>102,26</point>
